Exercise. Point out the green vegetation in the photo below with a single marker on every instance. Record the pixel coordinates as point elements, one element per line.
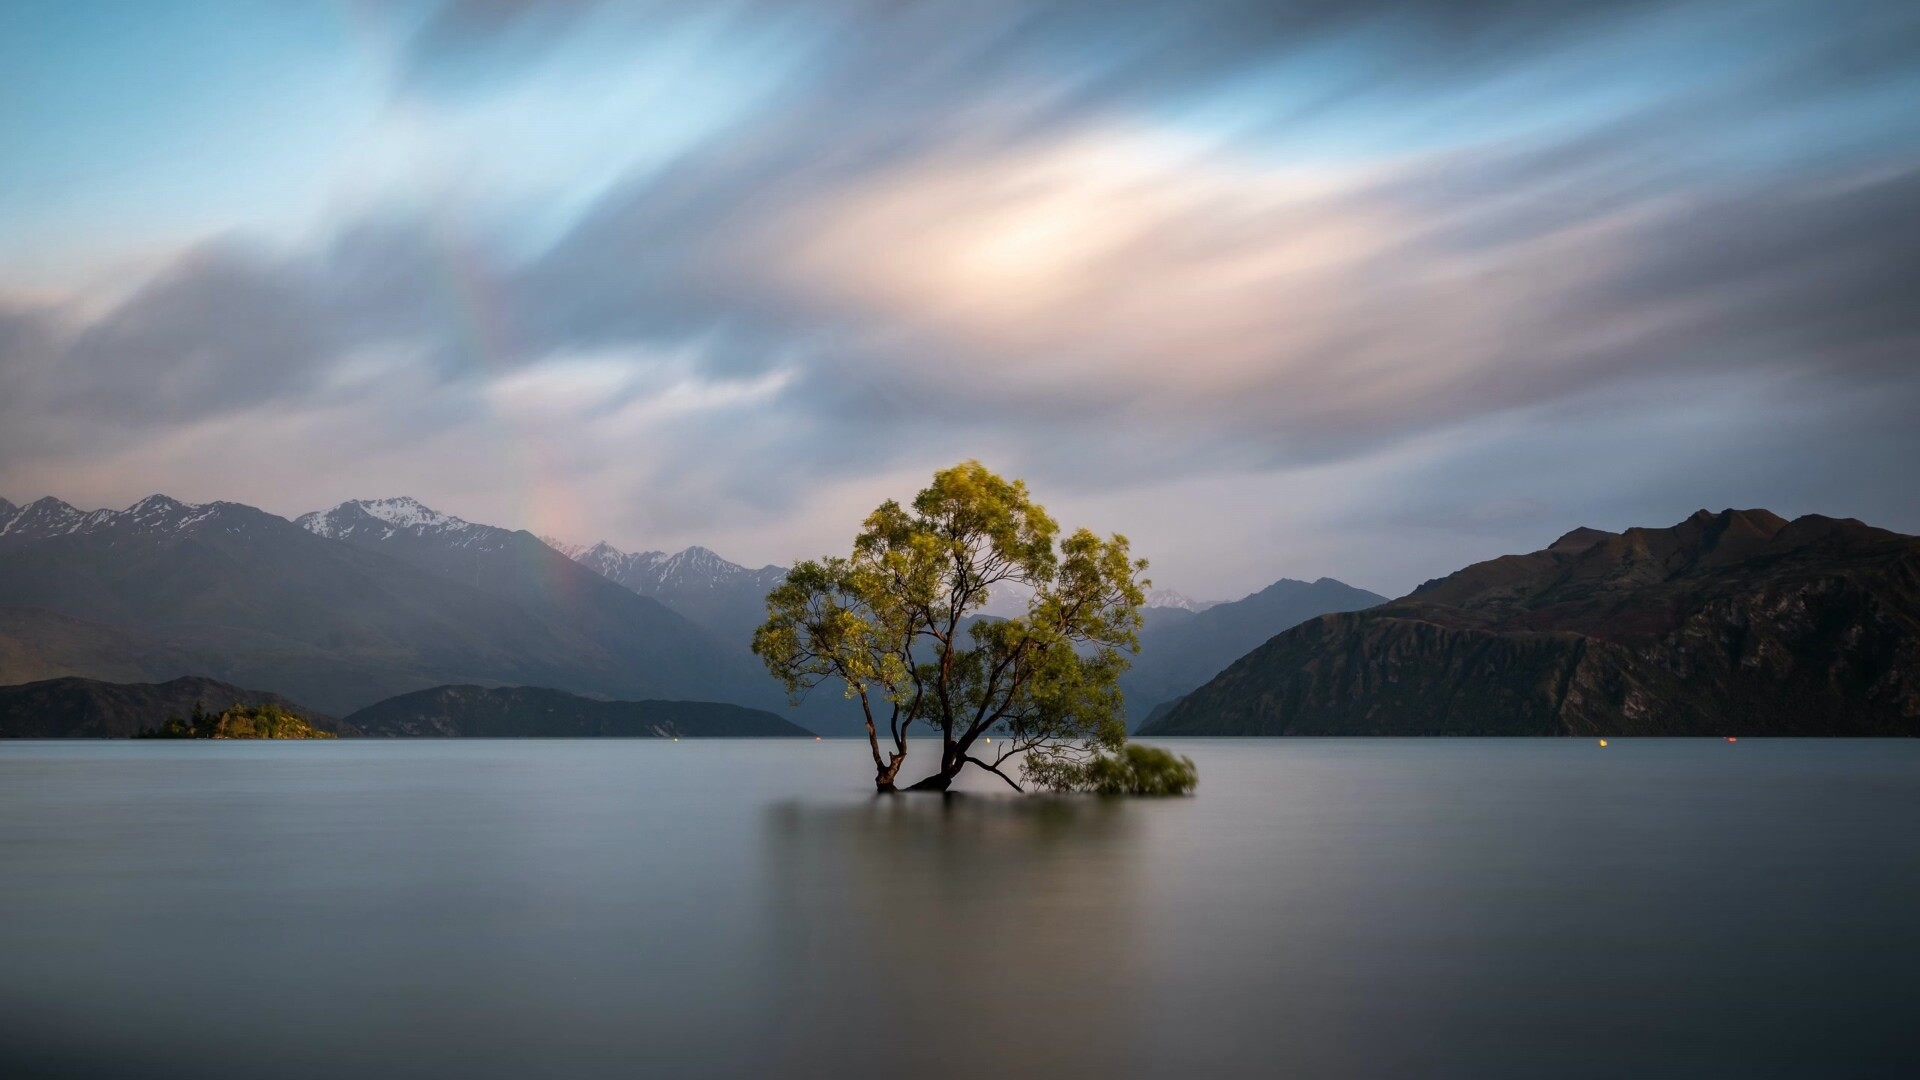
<point>897,624</point>
<point>1135,770</point>
<point>238,722</point>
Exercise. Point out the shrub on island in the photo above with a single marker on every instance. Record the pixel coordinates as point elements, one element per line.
<point>267,721</point>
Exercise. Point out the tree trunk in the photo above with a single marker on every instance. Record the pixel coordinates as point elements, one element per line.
<point>952,759</point>
<point>939,781</point>
<point>883,774</point>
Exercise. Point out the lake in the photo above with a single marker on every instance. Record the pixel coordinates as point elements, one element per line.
<point>1322,908</point>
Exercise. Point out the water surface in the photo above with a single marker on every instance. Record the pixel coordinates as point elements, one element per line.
<point>1321,908</point>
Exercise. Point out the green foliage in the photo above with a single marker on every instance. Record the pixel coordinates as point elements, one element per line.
<point>267,721</point>
<point>896,625</point>
<point>1135,770</point>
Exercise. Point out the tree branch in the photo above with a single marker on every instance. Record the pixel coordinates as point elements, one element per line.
<point>995,771</point>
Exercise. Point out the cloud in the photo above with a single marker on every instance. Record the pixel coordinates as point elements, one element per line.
<point>1119,281</point>
<point>1145,47</point>
<point>1402,270</point>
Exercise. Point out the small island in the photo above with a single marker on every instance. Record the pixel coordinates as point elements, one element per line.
<point>263,721</point>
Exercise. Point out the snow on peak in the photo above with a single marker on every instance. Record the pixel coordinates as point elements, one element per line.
<point>652,572</point>
<point>46,516</point>
<point>156,510</point>
<point>1167,598</point>
<point>49,516</point>
<point>403,513</point>
<point>576,552</point>
<point>695,560</point>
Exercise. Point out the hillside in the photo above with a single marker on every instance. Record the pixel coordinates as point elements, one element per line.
<point>1181,647</point>
<point>74,708</point>
<point>37,644</point>
<point>1736,623</point>
<point>536,712</point>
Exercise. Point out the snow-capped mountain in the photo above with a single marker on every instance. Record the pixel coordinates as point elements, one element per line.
<point>46,517</point>
<point>355,604</point>
<point>507,562</point>
<point>372,520</point>
<point>576,552</point>
<point>723,596</point>
<point>1167,598</point>
<point>699,568</point>
<point>632,569</point>
<point>697,584</point>
<point>651,573</point>
<point>155,514</point>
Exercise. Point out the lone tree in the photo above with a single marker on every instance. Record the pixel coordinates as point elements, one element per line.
<point>897,624</point>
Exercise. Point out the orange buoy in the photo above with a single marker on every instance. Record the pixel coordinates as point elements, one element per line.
<point>1603,742</point>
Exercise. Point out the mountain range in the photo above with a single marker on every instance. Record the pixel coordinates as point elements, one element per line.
<point>352,605</point>
<point>366,601</point>
<point>1735,623</point>
<point>1184,642</point>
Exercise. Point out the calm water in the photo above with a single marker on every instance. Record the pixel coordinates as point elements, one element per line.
<point>1322,908</point>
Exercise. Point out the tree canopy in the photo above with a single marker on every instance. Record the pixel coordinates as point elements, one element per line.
<point>263,721</point>
<point>897,623</point>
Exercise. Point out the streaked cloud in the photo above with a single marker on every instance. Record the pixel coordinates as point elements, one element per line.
<point>1361,290</point>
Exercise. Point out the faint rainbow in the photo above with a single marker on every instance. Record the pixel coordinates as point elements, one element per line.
<point>478,315</point>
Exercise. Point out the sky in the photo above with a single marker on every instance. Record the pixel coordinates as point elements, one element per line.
<point>1327,288</point>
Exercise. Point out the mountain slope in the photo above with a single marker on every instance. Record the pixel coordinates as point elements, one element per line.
<point>74,708</point>
<point>1180,651</point>
<point>723,598</point>
<point>1737,623</point>
<point>517,566</point>
<point>536,712</point>
<point>344,622</point>
<point>37,644</point>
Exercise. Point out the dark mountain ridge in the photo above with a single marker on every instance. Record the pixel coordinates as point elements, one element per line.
<point>1736,623</point>
<point>73,708</point>
<point>537,712</point>
<point>1181,649</point>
